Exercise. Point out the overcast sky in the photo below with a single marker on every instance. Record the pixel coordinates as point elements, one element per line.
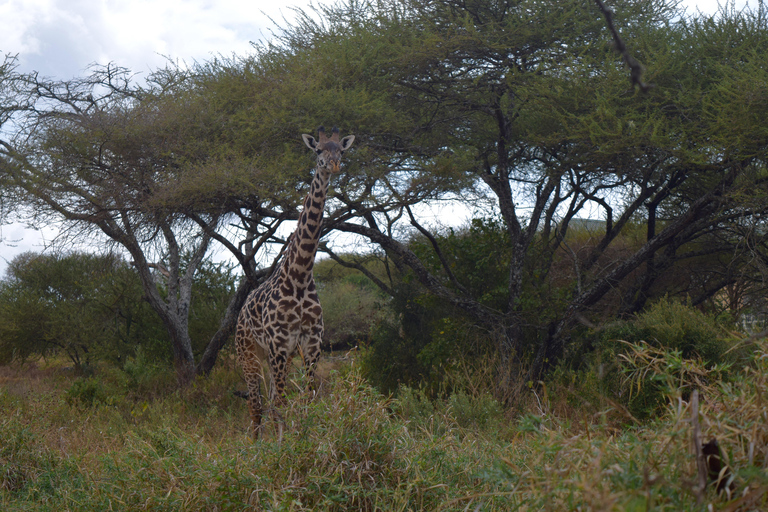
<point>61,38</point>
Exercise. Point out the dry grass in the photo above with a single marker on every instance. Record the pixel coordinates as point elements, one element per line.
<point>354,449</point>
<point>32,378</point>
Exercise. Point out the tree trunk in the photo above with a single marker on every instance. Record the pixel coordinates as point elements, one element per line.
<point>227,326</point>
<point>181,346</point>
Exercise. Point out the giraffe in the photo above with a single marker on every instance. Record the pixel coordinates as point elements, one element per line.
<point>283,315</point>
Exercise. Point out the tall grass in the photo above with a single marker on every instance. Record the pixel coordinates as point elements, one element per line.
<point>132,446</point>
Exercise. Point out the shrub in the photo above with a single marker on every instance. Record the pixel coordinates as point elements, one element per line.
<point>86,392</point>
<point>671,325</point>
<point>612,365</point>
<point>351,306</point>
<point>481,412</point>
<point>425,344</point>
<point>391,359</point>
<point>145,377</point>
<point>86,306</point>
<point>414,405</point>
<point>478,413</point>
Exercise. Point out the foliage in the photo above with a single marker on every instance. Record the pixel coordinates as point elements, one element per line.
<point>85,392</point>
<point>459,410</point>
<point>426,342</point>
<point>145,376</point>
<point>97,153</point>
<point>391,359</point>
<point>343,451</point>
<point>522,112</point>
<point>420,343</point>
<point>213,286</point>
<point>90,307</point>
<point>352,305</point>
<point>86,305</point>
<point>354,448</point>
<point>674,326</point>
<point>518,110</point>
<point>478,257</point>
<point>629,362</point>
<point>652,375</point>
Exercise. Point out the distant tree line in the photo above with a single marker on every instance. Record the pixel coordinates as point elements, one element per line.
<point>521,110</point>
<point>90,308</point>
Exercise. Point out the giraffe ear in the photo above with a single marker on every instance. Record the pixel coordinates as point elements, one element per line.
<point>346,142</point>
<point>309,141</point>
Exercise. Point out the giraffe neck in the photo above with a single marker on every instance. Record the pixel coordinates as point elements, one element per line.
<point>303,247</point>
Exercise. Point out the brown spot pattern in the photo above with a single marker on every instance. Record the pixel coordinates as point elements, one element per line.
<point>283,315</point>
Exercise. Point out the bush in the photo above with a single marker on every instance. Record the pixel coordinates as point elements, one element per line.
<point>85,392</point>
<point>613,364</point>
<point>86,306</point>
<point>351,306</point>
<point>672,325</point>
<point>478,413</point>
<point>391,359</point>
<point>426,344</point>
<point>145,377</point>
<point>90,308</point>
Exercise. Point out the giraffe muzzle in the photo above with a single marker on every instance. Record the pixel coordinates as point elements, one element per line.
<point>334,166</point>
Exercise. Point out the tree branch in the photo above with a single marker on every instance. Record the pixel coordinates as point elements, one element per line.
<point>635,69</point>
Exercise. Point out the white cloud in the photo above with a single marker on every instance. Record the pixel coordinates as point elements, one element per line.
<point>60,38</point>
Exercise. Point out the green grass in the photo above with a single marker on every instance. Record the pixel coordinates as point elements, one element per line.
<point>115,442</point>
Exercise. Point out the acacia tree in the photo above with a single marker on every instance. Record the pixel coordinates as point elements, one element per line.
<point>260,174</point>
<point>160,169</point>
<point>523,106</point>
<point>97,153</point>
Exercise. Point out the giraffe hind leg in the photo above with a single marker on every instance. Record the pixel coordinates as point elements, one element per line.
<point>278,371</point>
<point>255,405</point>
<point>250,356</point>
<point>254,375</point>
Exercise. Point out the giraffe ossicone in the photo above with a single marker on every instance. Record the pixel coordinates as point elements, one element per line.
<point>283,315</point>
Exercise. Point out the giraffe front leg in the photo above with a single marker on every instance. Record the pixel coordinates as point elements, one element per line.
<point>311,354</point>
<point>254,375</point>
<point>249,356</point>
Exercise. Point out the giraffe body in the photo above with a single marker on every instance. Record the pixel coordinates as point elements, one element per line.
<point>283,315</point>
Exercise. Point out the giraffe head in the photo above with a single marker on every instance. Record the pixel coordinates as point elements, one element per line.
<point>328,150</point>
